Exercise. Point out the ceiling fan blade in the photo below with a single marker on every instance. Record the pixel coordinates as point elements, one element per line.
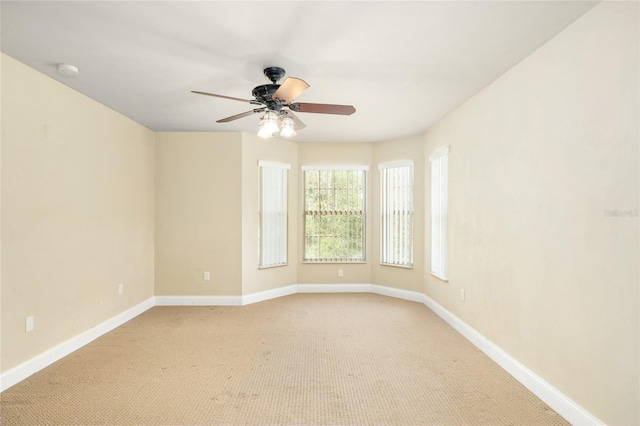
<point>290,89</point>
<point>222,96</point>
<point>323,108</point>
<point>298,124</point>
<point>242,115</point>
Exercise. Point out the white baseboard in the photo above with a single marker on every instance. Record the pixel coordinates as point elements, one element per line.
<point>269,294</point>
<point>413,296</point>
<point>572,412</point>
<point>334,288</point>
<point>37,363</point>
<point>225,300</point>
<point>198,300</point>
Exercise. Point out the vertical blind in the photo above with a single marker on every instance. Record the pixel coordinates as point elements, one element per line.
<point>439,198</point>
<point>334,213</point>
<point>396,199</point>
<point>273,213</point>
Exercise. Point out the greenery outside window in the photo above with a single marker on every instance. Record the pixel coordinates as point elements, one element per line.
<point>334,213</point>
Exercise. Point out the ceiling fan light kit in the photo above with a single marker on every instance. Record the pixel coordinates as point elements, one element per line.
<point>268,124</point>
<point>288,127</point>
<point>276,101</point>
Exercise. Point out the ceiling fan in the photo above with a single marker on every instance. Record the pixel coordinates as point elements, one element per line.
<point>276,101</point>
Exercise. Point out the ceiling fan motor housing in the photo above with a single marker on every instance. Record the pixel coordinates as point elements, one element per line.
<point>263,94</point>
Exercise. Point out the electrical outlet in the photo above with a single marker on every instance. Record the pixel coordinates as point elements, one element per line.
<point>120,288</point>
<point>462,294</point>
<point>29,324</point>
<point>207,276</point>
<point>341,272</point>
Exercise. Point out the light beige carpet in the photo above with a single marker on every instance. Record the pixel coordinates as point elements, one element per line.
<point>306,359</point>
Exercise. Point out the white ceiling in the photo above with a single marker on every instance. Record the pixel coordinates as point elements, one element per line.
<point>403,65</point>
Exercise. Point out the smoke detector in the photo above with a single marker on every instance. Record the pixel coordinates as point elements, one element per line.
<point>67,70</point>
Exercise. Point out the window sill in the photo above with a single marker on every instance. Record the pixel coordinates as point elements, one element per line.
<point>397,266</point>
<point>272,266</point>
<point>446,280</point>
<point>333,262</point>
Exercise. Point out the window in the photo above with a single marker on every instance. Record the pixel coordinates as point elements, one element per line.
<point>439,193</point>
<point>396,211</point>
<point>273,214</point>
<point>334,213</point>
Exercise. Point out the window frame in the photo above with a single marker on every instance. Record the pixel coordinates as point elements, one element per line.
<point>394,250</point>
<point>282,224</point>
<point>439,212</point>
<point>334,168</point>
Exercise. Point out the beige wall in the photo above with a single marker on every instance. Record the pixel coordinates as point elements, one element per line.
<point>537,159</point>
<point>255,149</point>
<point>199,213</point>
<point>411,148</point>
<point>186,236</point>
<point>331,154</point>
<point>77,212</point>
